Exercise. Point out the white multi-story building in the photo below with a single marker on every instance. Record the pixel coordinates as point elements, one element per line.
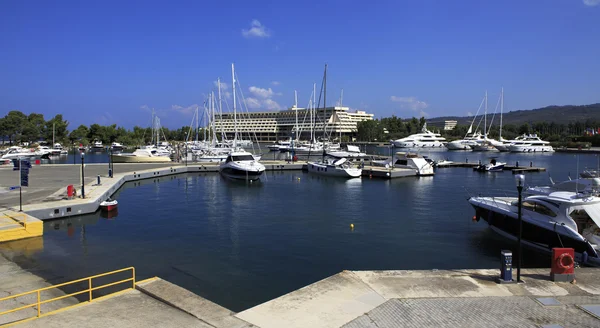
<point>449,125</point>
<point>276,125</point>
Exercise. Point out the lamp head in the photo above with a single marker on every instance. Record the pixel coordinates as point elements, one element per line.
<point>82,153</point>
<point>520,180</point>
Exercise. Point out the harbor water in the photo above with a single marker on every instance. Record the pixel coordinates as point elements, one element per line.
<point>241,244</point>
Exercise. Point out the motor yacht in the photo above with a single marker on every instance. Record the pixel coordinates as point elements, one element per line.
<point>97,145</point>
<point>425,139</point>
<point>115,146</point>
<point>492,166</point>
<point>335,167</point>
<point>409,161</point>
<point>143,155</point>
<point>350,152</point>
<point>529,144</point>
<point>558,219</point>
<point>465,144</point>
<point>15,152</point>
<point>241,165</point>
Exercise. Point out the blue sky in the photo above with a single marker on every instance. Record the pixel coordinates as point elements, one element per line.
<point>110,62</point>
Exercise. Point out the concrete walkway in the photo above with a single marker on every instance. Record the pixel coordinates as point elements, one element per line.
<point>453,298</point>
<point>130,309</point>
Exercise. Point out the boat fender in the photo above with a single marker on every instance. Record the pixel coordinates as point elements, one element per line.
<point>565,261</point>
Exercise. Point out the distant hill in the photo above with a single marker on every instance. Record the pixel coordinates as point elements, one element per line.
<point>558,114</point>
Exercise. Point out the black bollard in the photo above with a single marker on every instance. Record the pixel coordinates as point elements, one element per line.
<point>517,165</point>
<point>98,180</point>
<point>466,160</point>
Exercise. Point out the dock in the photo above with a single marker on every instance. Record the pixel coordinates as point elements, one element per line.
<point>514,168</point>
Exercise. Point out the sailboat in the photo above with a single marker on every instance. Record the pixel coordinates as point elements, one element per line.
<point>240,164</point>
<point>470,138</point>
<point>484,144</point>
<point>332,166</point>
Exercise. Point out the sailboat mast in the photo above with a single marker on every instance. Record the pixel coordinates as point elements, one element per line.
<point>313,116</point>
<point>501,111</point>
<point>212,122</point>
<point>324,100</point>
<point>341,105</point>
<point>220,109</point>
<point>296,110</point>
<point>53,131</point>
<point>485,117</point>
<point>234,106</point>
<point>197,107</point>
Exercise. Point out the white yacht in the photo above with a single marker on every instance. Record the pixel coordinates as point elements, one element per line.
<point>283,145</point>
<point>492,166</point>
<point>465,144</point>
<point>350,152</point>
<point>241,165</point>
<point>484,145</point>
<point>15,152</point>
<point>58,150</point>
<point>115,146</point>
<point>97,145</point>
<point>557,219</point>
<point>529,144</point>
<point>334,167</point>
<point>420,164</point>
<point>143,155</point>
<point>425,139</point>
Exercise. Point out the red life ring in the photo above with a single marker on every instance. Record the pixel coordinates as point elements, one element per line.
<point>570,261</point>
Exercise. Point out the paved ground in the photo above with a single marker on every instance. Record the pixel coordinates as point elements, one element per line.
<point>46,180</point>
<point>501,312</point>
<point>14,280</point>
<point>444,298</point>
<point>130,309</point>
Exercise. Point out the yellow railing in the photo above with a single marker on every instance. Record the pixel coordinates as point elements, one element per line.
<point>13,217</point>
<point>89,290</point>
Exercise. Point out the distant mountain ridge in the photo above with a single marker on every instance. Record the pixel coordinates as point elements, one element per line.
<point>557,114</point>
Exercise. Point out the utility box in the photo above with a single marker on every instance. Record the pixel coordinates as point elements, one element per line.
<point>506,266</point>
<point>563,265</point>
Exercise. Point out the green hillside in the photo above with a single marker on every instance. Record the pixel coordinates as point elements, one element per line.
<point>551,114</point>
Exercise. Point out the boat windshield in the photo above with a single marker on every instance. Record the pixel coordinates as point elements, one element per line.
<point>538,208</point>
<point>238,158</point>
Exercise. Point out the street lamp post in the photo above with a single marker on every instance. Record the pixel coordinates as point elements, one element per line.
<point>520,181</point>
<point>82,177</point>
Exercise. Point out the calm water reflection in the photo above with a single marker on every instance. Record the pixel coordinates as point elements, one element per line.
<point>241,244</point>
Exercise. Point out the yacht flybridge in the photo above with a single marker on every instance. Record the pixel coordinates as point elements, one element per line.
<point>425,139</point>
<point>556,219</point>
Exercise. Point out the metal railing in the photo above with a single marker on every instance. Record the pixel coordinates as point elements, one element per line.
<point>13,217</point>
<point>90,289</point>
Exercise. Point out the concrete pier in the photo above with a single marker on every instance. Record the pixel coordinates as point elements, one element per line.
<point>445,298</point>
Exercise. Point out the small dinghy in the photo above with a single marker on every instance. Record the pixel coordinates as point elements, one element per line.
<point>109,205</point>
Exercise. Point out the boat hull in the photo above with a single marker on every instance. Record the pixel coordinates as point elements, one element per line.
<point>333,171</point>
<point>237,174</point>
<point>533,235</point>
<point>530,149</point>
<point>458,146</point>
<point>403,144</point>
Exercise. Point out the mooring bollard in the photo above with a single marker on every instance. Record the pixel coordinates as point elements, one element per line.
<point>530,164</point>
<point>98,177</point>
<point>517,164</point>
<point>466,160</point>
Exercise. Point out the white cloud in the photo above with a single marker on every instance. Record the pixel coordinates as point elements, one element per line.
<point>184,110</point>
<point>423,114</point>
<point>591,3</point>
<point>411,103</point>
<point>275,83</point>
<point>253,103</point>
<point>262,98</point>
<point>145,107</point>
<point>256,30</point>
<point>261,92</point>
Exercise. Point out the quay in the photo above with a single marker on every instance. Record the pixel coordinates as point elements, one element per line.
<point>406,298</point>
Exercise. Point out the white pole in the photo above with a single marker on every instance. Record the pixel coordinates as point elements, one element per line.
<point>341,105</point>
<point>501,111</point>
<point>234,106</point>
<point>296,110</point>
<point>485,117</point>
<point>314,113</point>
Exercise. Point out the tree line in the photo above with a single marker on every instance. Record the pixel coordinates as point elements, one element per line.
<point>392,128</point>
<point>18,128</point>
